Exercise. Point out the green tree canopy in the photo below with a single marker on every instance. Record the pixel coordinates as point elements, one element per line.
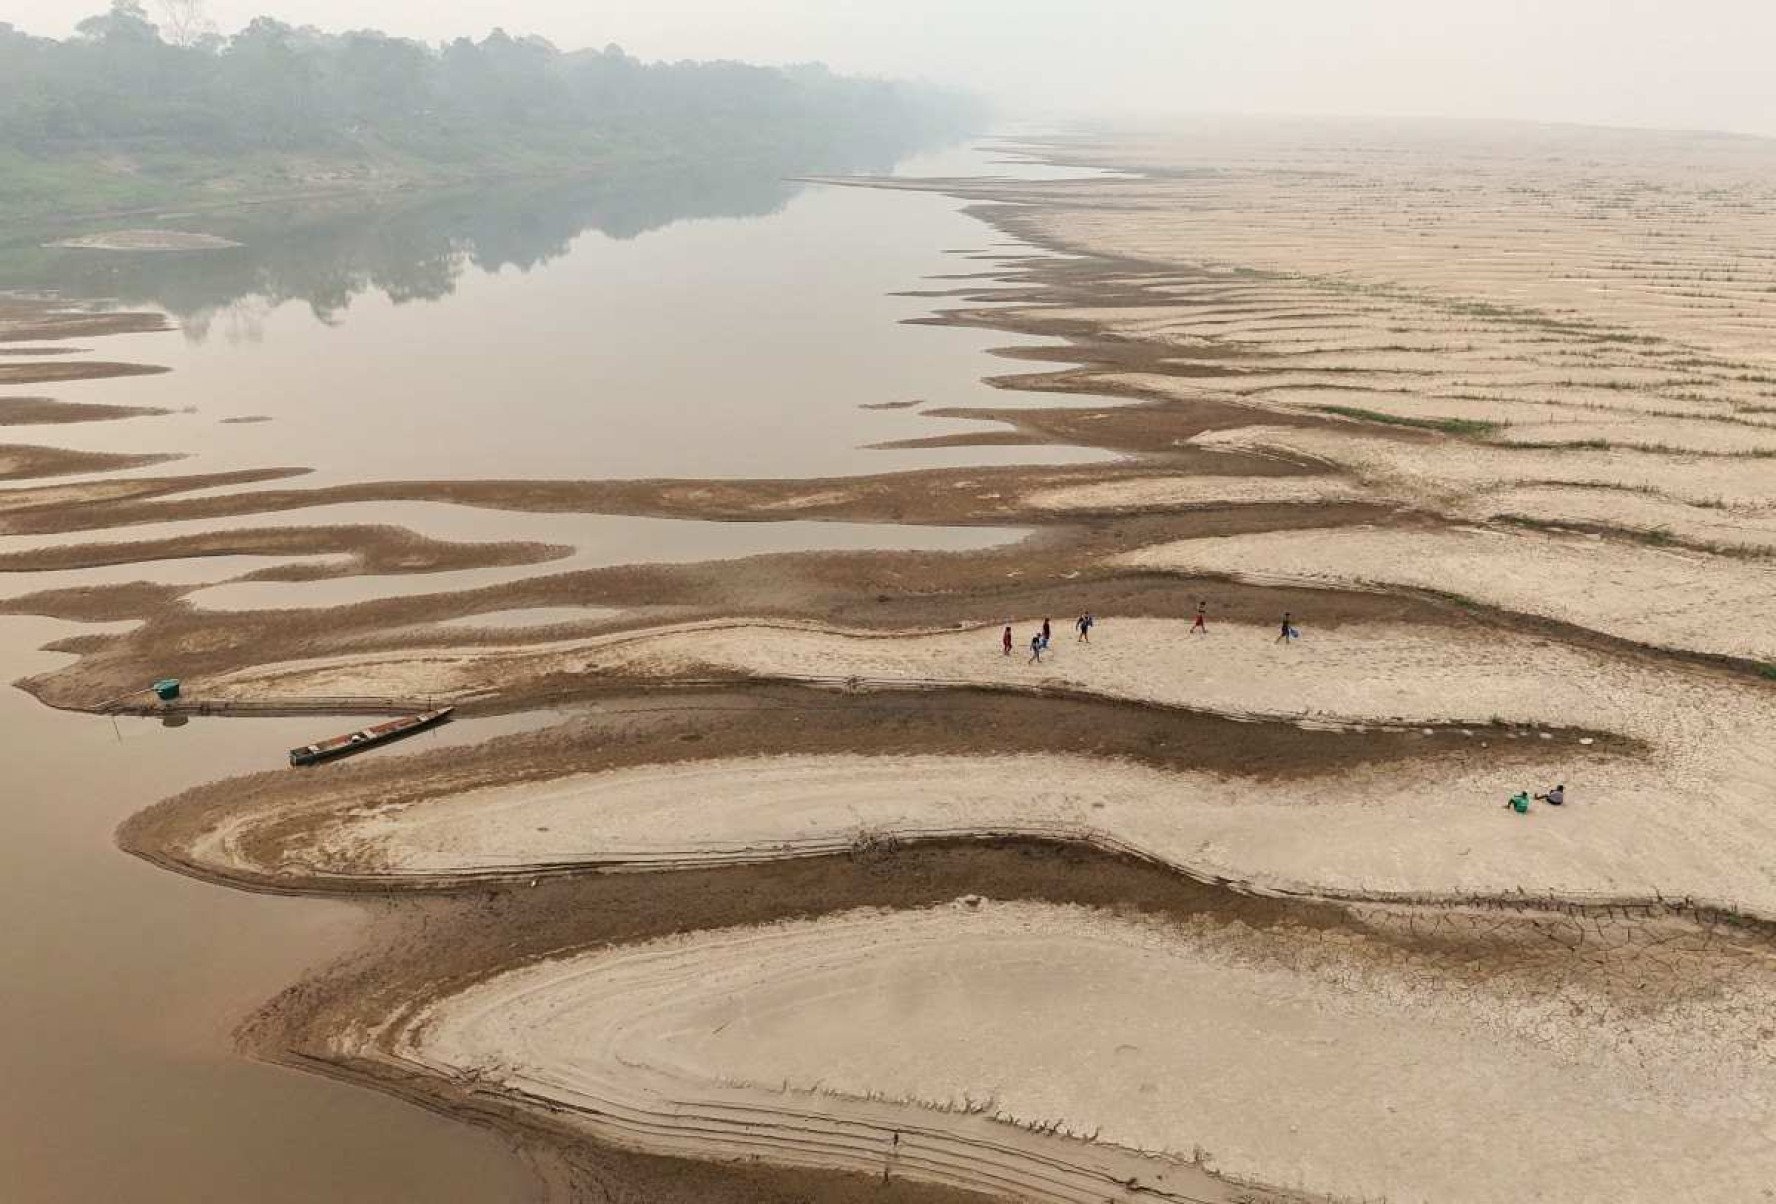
<point>119,85</point>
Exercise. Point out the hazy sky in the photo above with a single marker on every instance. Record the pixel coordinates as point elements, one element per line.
<point>1683,63</point>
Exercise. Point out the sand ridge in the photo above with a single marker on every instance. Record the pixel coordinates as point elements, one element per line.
<point>1434,471</point>
<point>1665,597</point>
<point>1411,834</point>
<point>1177,492</point>
<point>1202,1037</point>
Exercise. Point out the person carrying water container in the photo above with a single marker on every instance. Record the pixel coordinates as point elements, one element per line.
<point>1288,634</point>
<point>1037,643</point>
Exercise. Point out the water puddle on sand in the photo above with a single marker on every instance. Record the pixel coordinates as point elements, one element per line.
<point>124,982</point>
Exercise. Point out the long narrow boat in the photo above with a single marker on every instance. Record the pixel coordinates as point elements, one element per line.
<point>367,737</point>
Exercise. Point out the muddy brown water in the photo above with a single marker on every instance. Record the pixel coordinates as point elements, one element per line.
<point>124,984</point>
<point>489,342</point>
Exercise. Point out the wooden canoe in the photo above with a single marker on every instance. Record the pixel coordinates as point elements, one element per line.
<point>368,737</point>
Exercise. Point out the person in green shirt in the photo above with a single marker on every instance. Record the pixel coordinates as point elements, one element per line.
<point>1519,802</point>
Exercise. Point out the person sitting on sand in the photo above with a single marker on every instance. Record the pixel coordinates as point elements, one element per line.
<point>1555,797</point>
<point>1519,802</point>
<point>1036,646</point>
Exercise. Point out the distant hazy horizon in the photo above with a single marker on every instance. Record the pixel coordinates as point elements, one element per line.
<point>1650,63</point>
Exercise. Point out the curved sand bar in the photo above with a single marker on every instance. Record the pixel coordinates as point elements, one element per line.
<point>1054,1053</point>
<point>1689,816</point>
<point>748,810</point>
<point>1178,493</point>
<point>1416,469</point>
<point>1664,597</point>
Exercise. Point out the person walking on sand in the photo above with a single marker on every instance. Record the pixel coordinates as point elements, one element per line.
<point>1288,633</point>
<point>1006,641</point>
<point>1045,631</point>
<point>1201,624</point>
<point>1036,646</point>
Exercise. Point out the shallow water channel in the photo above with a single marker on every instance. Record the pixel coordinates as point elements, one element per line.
<point>525,333</point>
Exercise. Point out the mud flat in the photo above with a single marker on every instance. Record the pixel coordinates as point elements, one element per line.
<point>42,411</point>
<point>371,549</point>
<point>1178,493</point>
<point>19,462</point>
<point>49,371</point>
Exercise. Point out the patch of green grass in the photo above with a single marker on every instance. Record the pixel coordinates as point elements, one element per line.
<point>1658,537</point>
<point>1663,449</point>
<point>1472,427</point>
<point>1532,523</point>
<point>1767,671</point>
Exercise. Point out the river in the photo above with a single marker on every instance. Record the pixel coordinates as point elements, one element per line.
<point>710,327</point>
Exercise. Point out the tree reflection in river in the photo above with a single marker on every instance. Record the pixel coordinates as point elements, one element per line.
<point>327,253</point>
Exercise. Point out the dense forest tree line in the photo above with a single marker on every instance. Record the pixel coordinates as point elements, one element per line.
<point>128,85</point>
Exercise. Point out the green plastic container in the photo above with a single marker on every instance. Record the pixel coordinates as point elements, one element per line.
<point>166,689</point>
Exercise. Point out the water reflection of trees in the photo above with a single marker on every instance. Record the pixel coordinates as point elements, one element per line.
<point>325,255</point>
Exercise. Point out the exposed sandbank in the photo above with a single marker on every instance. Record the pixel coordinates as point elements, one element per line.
<point>817,1042</point>
<point>146,240</point>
